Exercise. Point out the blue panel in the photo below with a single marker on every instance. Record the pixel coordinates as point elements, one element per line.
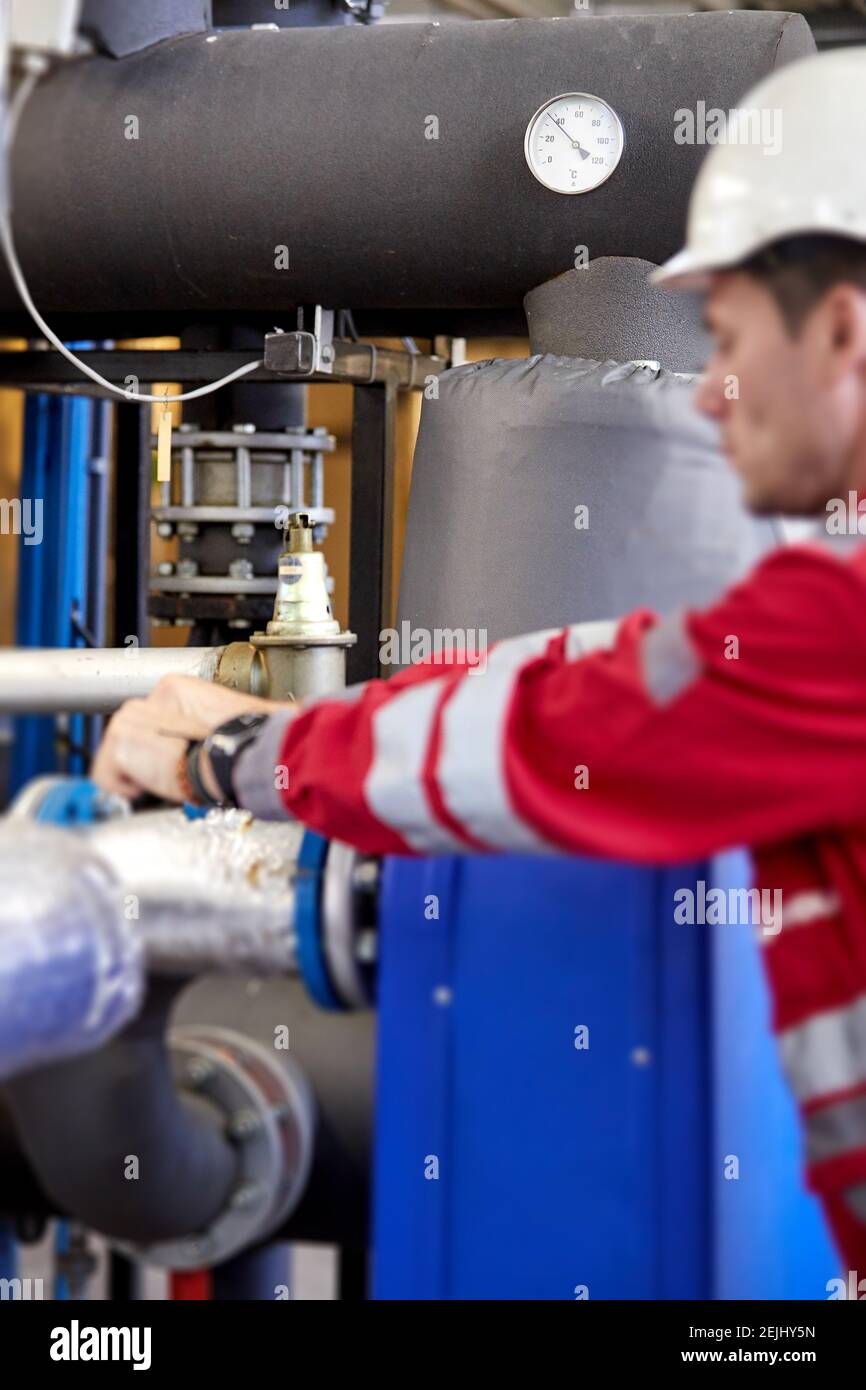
<point>413,1039</point>
<point>555,1169</point>
<point>771,1241</point>
<point>561,1167</point>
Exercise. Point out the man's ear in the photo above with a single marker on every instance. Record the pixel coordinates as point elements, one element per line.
<point>842,330</point>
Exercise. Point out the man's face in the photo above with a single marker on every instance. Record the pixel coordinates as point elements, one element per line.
<point>791,407</point>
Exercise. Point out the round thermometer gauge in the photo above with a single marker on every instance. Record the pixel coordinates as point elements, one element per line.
<point>574,142</point>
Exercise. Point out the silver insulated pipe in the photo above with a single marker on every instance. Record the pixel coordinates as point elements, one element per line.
<point>93,680</point>
<point>215,893</point>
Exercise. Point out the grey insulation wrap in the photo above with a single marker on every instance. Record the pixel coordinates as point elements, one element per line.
<point>496,543</point>
<point>609,309</point>
<point>120,28</point>
<point>316,141</point>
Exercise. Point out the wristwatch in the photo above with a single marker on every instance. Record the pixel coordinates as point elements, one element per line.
<point>222,746</point>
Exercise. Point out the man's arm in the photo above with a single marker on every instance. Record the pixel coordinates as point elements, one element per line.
<point>742,724</point>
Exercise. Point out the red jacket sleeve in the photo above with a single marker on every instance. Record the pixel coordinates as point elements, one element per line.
<point>741,724</point>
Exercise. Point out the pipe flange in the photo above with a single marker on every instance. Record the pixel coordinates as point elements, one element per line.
<point>310,638</point>
<point>269,1116</point>
<point>349,880</point>
<point>308,922</point>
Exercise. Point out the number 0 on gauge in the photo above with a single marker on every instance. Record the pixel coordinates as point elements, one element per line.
<point>574,142</point>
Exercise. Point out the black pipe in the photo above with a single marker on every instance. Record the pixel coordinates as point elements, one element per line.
<point>131,524</point>
<point>246,172</point>
<point>74,1125</point>
<point>113,1143</point>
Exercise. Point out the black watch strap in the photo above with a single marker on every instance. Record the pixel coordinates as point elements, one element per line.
<point>200,794</point>
<point>225,745</point>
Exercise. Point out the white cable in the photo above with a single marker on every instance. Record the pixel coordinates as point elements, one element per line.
<point>16,107</point>
<point>36,65</point>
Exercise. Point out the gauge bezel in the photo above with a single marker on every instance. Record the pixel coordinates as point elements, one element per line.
<point>552,101</point>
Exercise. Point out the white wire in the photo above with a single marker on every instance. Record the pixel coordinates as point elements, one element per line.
<point>17,105</point>
<point>22,96</point>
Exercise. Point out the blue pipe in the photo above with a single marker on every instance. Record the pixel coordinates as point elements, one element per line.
<point>64,468</point>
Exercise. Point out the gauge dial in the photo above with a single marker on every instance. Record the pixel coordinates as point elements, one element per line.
<point>574,142</point>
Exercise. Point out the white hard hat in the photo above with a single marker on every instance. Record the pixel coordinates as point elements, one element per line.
<point>792,164</point>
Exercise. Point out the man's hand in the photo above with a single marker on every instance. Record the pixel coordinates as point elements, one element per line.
<point>145,742</point>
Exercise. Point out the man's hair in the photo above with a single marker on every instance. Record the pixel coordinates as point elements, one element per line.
<point>799,270</point>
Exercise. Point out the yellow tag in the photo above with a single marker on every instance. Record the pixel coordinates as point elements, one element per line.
<point>163,448</point>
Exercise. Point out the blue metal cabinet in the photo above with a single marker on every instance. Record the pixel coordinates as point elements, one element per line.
<point>511,1164</point>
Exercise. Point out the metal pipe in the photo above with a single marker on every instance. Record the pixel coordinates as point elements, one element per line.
<point>93,680</point>
<point>245,478</point>
<point>187,477</point>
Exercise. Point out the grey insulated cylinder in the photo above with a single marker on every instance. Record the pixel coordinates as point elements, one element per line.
<point>317,141</point>
<point>510,454</point>
<point>609,309</point>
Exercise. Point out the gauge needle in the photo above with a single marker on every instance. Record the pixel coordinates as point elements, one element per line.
<point>575,144</point>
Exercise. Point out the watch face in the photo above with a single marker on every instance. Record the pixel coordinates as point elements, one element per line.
<point>574,142</point>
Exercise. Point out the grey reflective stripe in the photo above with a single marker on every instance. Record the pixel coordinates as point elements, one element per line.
<point>855,1197</point>
<point>669,661</point>
<point>254,775</point>
<point>836,1129</point>
<point>826,1053</point>
<point>808,906</point>
<point>393,789</point>
<point>583,638</point>
<point>812,905</point>
<point>471,770</point>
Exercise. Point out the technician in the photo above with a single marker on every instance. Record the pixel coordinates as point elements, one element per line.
<point>743,724</point>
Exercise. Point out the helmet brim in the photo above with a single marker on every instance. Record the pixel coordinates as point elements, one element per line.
<point>686,271</point>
